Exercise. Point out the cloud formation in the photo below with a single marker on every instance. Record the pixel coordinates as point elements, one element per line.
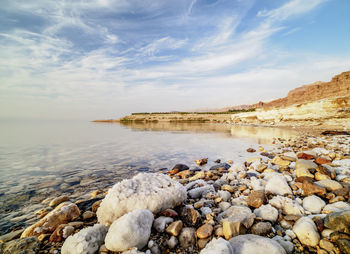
<point>107,58</point>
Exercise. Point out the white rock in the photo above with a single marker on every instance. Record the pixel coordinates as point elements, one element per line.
<point>306,231</point>
<point>155,192</point>
<point>172,242</point>
<point>288,206</point>
<point>330,185</point>
<point>313,204</point>
<point>201,191</point>
<point>86,241</point>
<point>267,212</point>
<point>225,195</point>
<point>327,232</point>
<point>241,200</point>
<point>161,222</point>
<point>342,163</point>
<point>206,210</point>
<point>132,251</point>
<point>290,233</point>
<point>278,185</point>
<point>67,231</point>
<point>288,246</point>
<point>243,214</point>
<point>224,205</point>
<point>218,246</point>
<point>254,244</point>
<point>131,230</point>
<point>336,207</point>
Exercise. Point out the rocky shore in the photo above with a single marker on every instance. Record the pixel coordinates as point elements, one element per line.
<point>292,198</point>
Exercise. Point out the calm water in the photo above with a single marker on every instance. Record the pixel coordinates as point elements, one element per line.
<point>39,159</point>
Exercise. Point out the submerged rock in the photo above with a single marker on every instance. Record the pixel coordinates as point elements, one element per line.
<point>86,241</point>
<point>155,192</point>
<point>131,230</point>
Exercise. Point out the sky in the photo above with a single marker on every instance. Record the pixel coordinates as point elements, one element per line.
<point>102,59</point>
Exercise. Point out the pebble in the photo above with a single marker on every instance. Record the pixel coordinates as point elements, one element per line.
<point>187,237</point>
<point>174,228</point>
<point>204,231</point>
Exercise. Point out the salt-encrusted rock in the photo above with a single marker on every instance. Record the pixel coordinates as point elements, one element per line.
<point>217,246</point>
<point>339,221</point>
<point>267,212</point>
<point>131,230</point>
<point>313,204</point>
<point>254,244</point>
<point>62,214</point>
<point>336,207</point>
<point>288,206</point>
<point>277,184</point>
<point>302,168</point>
<point>160,223</point>
<point>86,241</point>
<point>306,231</point>
<point>330,185</point>
<point>241,214</point>
<point>155,192</point>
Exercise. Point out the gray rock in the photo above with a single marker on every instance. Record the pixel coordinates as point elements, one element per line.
<point>187,237</point>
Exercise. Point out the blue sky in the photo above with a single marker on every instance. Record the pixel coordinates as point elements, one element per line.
<point>107,58</point>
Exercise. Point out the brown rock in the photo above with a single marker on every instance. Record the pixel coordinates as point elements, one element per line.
<point>62,214</point>
<point>262,228</point>
<point>328,246</point>
<point>302,179</point>
<point>204,231</point>
<point>57,235</point>
<point>169,213</point>
<point>58,200</point>
<point>190,216</point>
<point>174,228</point>
<point>202,161</point>
<point>251,150</point>
<point>311,189</point>
<point>96,205</point>
<point>202,243</point>
<point>320,161</point>
<point>88,215</point>
<point>342,192</point>
<point>184,174</point>
<point>256,199</point>
<point>228,188</point>
<point>305,156</point>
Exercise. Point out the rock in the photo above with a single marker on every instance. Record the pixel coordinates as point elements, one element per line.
<point>178,168</point>
<point>169,213</point>
<point>57,235</point>
<point>131,230</point>
<point>187,237</point>
<point>256,199</point>
<point>306,231</point>
<point>238,213</point>
<point>201,162</point>
<point>204,231</point>
<point>67,231</point>
<point>174,228</point>
<point>311,189</point>
<point>225,195</point>
<point>344,245</point>
<point>134,251</point>
<point>62,214</point>
<point>201,191</point>
<point>26,245</point>
<point>58,200</point>
<point>217,246</point>
<point>88,240</point>
<point>328,246</point>
<point>251,150</point>
<point>267,212</point>
<point>339,221</point>
<point>336,207</point>
<point>254,244</point>
<point>190,216</point>
<point>220,166</point>
<point>160,223</point>
<point>228,188</point>
<point>341,192</point>
<point>10,236</point>
<point>320,161</point>
<point>280,162</point>
<point>88,215</point>
<point>288,246</point>
<point>302,168</point>
<point>95,206</point>
<point>313,204</point>
<point>232,228</point>
<point>288,206</point>
<point>277,184</point>
<point>330,185</point>
<point>152,191</point>
<point>262,228</point>
<point>172,242</point>
<point>305,156</point>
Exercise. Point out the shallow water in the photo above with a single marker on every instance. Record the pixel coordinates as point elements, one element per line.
<point>40,159</point>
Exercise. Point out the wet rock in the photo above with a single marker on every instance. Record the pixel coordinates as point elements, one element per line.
<point>306,231</point>
<point>204,231</point>
<point>202,161</point>
<point>187,237</point>
<point>251,150</point>
<point>62,214</point>
<point>216,246</point>
<point>27,245</point>
<point>174,228</point>
<point>88,215</point>
<point>219,166</point>
<point>58,200</point>
<point>131,230</point>
<point>160,223</point>
<point>189,216</point>
<point>88,240</point>
<point>313,204</point>
<point>95,206</point>
<point>256,199</point>
<point>267,212</point>
<point>152,191</point>
<point>254,244</point>
<point>261,228</point>
<point>339,221</point>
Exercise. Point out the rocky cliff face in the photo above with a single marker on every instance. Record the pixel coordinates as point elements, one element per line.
<point>338,86</point>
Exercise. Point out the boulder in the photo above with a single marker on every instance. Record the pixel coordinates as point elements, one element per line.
<point>131,230</point>
<point>88,240</point>
<point>152,191</point>
<point>306,231</point>
<point>217,246</point>
<point>62,214</point>
<point>254,244</point>
<point>313,204</point>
